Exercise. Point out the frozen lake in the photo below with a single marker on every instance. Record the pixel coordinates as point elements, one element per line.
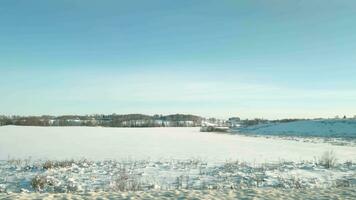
<point>155,143</point>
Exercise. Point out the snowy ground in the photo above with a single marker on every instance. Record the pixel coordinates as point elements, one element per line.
<point>256,193</point>
<point>155,144</point>
<point>163,159</point>
<point>83,176</point>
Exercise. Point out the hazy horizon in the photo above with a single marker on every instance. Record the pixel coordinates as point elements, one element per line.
<point>165,114</point>
<point>251,59</point>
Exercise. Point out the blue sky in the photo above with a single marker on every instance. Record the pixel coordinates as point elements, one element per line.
<point>248,58</point>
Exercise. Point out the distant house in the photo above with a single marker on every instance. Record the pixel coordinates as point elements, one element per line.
<point>185,123</point>
<point>74,122</point>
<point>212,127</point>
<point>208,124</point>
<point>163,123</point>
<point>53,122</point>
<point>234,122</point>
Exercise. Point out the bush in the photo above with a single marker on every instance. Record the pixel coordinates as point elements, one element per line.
<point>328,159</point>
<point>126,181</point>
<point>57,164</point>
<point>2,188</point>
<point>41,183</point>
<point>38,183</point>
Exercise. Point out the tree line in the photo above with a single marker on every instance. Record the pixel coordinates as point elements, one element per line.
<point>112,120</point>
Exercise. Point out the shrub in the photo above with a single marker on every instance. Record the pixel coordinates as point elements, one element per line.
<point>126,182</point>
<point>38,183</point>
<point>2,188</point>
<point>328,159</point>
<point>57,164</point>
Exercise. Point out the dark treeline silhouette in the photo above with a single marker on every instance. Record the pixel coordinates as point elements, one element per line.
<point>113,120</point>
<point>132,120</point>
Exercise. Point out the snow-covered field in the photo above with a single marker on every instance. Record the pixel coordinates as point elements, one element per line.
<point>164,159</point>
<point>154,144</point>
<point>256,193</point>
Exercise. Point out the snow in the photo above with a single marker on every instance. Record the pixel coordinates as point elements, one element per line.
<point>162,159</point>
<point>98,143</point>
<point>256,193</point>
<point>87,176</point>
<point>345,128</point>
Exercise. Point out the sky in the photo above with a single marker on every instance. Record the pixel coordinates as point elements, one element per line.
<point>248,58</point>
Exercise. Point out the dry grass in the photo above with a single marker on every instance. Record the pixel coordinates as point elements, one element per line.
<point>126,182</point>
<point>328,160</point>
